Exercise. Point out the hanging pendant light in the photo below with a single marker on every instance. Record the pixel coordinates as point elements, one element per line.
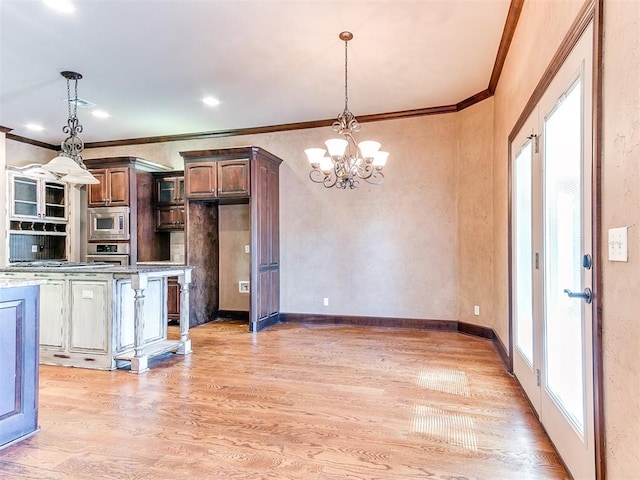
<point>69,165</point>
<point>348,161</point>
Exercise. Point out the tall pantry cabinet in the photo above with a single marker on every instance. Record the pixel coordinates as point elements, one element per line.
<point>226,177</point>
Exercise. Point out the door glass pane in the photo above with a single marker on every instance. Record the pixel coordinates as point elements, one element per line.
<point>25,189</point>
<point>563,254</point>
<point>523,261</point>
<point>166,191</point>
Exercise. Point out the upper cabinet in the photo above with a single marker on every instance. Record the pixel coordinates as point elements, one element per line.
<point>37,215</point>
<point>113,189</point>
<point>233,178</point>
<point>36,195</point>
<point>201,179</point>
<point>169,189</point>
<point>213,178</point>
<point>169,200</point>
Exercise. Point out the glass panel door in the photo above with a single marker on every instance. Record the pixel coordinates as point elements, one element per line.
<point>564,370</point>
<point>523,253</point>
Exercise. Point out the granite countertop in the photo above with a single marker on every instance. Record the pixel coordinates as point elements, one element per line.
<point>95,269</point>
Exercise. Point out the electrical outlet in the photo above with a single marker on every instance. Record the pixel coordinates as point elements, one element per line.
<point>476,309</point>
<point>325,301</point>
<point>243,286</point>
<point>34,248</point>
<point>246,249</point>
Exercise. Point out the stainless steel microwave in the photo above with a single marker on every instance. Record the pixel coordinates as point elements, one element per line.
<point>108,223</point>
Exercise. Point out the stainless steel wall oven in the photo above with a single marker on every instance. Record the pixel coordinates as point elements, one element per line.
<point>116,253</point>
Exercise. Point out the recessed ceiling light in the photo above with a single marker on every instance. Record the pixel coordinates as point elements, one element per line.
<point>63,6</point>
<point>34,127</point>
<point>100,113</point>
<point>211,101</point>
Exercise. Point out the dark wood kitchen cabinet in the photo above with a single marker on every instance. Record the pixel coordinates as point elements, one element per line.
<point>113,189</point>
<point>169,189</point>
<point>233,178</point>
<point>169,201</point>
<point>201,180</point>
<point>224,177</point>
<point>173,299</point>
<point>210,180</point>
<point>170,217</point>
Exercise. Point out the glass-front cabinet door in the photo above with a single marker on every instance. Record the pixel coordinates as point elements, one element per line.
<point>170,190</point>
<point>37,199</point>
<point>25,197</point>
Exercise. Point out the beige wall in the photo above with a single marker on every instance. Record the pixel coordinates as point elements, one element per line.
<point>475,214</point>
<point>21,154</point>
<point>234,228</point>
<point>621,208</point>
<point>388,250</point>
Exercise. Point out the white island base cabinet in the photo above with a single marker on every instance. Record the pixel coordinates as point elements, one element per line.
<point>108,318</point>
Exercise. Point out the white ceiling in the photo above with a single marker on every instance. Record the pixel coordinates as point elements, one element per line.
<point>270,62</point>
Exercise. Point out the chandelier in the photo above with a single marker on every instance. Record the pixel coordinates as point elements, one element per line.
<point>69,165</point>
<point>348,161</point>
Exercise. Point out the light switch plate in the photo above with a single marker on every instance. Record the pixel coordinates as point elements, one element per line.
<point>618,244</point>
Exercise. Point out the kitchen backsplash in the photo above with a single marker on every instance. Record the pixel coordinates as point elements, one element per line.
<point>24,247</point>
<point>177,247</point>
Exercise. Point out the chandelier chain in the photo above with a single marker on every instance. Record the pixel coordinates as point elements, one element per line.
<point>346,69</point>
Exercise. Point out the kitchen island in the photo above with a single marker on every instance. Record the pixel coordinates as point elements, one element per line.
<point>19,359</point>
<point>105,316</point>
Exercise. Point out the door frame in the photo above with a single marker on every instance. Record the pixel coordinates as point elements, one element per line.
<point>592,11</point>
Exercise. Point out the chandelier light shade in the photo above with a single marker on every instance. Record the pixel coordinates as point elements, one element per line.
<point>347,162</point>
<point>69,165</point>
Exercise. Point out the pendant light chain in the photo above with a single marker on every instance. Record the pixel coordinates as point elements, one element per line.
<point>346,69</point>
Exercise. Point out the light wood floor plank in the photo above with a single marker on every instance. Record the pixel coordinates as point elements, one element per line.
<point>292,402</point>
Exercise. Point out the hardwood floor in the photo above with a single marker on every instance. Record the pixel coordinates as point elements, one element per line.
<point>292,402</point>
